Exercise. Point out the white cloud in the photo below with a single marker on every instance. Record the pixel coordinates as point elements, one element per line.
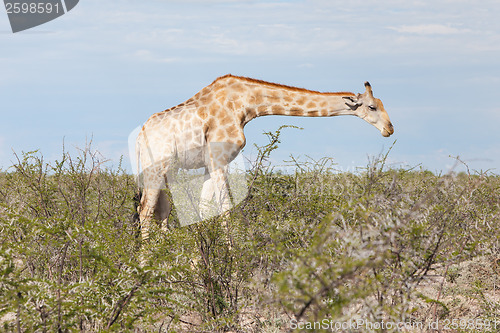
<point>429,29</point>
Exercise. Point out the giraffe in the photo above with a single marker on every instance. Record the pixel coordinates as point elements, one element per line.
<point>207,131</point>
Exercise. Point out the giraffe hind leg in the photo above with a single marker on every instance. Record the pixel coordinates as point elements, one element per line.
<point>148,205</point>
<point>163,210</point>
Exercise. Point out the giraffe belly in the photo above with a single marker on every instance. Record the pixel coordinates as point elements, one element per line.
<point>190,158</point>
<point>213,154</point>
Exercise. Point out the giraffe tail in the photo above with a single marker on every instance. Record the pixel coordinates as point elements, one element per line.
<point>135,218</point>
<point>137,175</point>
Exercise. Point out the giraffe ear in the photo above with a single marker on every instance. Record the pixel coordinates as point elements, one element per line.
<point>368,88</point>
<point>352,102</point>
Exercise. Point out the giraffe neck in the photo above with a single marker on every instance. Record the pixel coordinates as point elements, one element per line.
<point>264,99</point>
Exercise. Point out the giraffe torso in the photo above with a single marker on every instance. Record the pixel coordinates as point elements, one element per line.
<point>180,136</point>
<point>172,134</point>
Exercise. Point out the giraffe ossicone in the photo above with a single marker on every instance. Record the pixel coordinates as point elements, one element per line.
<point>206,133</point>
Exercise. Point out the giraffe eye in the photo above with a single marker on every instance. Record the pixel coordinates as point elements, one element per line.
<point>372,108</point>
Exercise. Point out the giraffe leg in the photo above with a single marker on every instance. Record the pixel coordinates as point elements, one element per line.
<point>223,200</point>
<point>207,194</point>
<point>221,190</point>
<point>214,186</point>
<point>163,209</point>
<point>148,205</point>
<point>146,214</point>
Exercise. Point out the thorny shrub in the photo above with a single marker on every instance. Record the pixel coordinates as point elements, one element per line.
<point>307,245</point>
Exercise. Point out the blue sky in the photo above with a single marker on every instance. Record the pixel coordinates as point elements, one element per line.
<point>102,69</point>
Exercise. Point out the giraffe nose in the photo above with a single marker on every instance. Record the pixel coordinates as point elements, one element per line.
<point>390,128</point>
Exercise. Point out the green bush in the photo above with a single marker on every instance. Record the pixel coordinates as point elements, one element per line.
<point>315,244</point>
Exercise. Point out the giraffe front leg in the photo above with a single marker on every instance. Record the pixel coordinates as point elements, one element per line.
<point>222,199</point>
<point>214,187</point>
<point>221,190</point>
<point>207,194</point>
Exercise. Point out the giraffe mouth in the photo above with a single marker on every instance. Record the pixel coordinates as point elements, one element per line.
<point>387,131</point>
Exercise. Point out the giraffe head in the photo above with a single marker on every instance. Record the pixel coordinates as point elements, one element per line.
<point>371,110</point>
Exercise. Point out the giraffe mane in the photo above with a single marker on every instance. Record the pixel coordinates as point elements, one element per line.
<point>278,85</point>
